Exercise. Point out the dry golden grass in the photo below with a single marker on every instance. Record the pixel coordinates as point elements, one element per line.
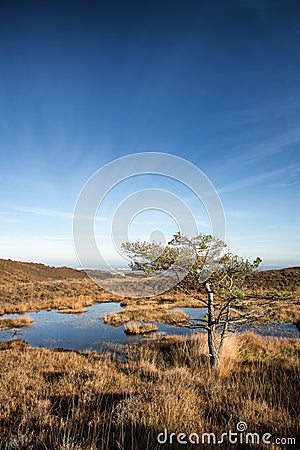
<point>168,300</point>
<point>74,305</point>
<point>71,311</point>
<point>5,324</point>
<point>153,313</point>
<point>230,355</point>
<point>274,306</point>
<point>136,329</point>
<point>68,400</point>
<point>25,272</point>
<point>34,287</point>
<point>76,294</point>
<point>20,297</point>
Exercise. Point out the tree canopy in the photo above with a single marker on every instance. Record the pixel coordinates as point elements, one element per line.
<point>208,267</point>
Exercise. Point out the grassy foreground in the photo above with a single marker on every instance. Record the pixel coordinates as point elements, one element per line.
<point>86,401</point>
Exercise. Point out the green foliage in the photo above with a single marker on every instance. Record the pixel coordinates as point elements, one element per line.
<point>196,255</point>
<point>207,265</point>
<point>150,257</point>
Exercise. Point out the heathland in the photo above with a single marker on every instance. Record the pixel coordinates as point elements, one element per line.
<point>33,287</point>
<point>56,399</point>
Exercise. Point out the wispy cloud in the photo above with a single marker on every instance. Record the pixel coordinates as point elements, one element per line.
<point>249,237</point>
<point>287,227</point>
<point>267,148</point>
<point>50,213</point>
<point>44,212</point>
<point>25,238</point>
<point>284,184</point>
<point>257,179</point>
<point>181,220</point>
<point>240,214</point>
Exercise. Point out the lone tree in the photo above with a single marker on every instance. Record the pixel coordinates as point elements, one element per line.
<point>209,268</point>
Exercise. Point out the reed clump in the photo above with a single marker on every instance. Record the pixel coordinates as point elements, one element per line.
<point>135,329</point>
<point>147,313</point>
<point>5,324</point>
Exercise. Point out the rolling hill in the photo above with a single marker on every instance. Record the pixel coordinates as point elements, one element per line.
<point>14,271</point>
<point>27,271</point>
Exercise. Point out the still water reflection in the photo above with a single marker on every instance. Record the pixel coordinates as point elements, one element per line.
<point>87,331</point>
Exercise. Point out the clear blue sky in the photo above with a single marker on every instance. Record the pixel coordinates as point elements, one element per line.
<point>85,82</point>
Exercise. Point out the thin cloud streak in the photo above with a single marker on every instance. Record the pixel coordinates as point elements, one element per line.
<point>25,238</point>
<point>51,213</point>
<point>242,214</point>
<point>284,185</point>
<point>252,180</point>
<point>268,148</point>
<point>44,212</point>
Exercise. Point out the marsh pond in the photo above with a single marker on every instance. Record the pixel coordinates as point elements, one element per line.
<point>87,331</point>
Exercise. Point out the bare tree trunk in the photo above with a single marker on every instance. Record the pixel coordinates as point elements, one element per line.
<point>211,332</point>
<point>225,327</point>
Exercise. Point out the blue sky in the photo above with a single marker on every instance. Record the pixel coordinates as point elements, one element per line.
<point>85,82</point>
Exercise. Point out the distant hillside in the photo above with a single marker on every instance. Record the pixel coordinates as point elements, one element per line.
<point>281,279</point>
<point>24,271</point>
